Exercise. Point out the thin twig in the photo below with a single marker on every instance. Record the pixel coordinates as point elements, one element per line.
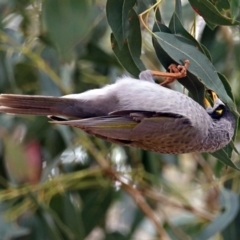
<point>163,199</point>
<point>135,194</point>
<point>140,200</point>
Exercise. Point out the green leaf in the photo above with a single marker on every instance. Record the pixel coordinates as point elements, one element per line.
<point>159,25</point>
<point>224,155</point>
<point>221,5</point>
<point>65,206</point>
<point>117,16</point>
<point>97,55</point>
<point>27,78</point>
<point>10,230</point>
<point>143,5</point>
<point>52,230</point>
<point>218,48</point>
<point>210,13</point>
<point>230,205</point>
<point>206,52</point>
<point>135,39</point>
<point>92,214</point>
<point>179,49</point>
<point>115,236</point>
<point>124,57</point>
<point>191,82</point>
<point>176,27</point>
<point>178,9</point>
<point>210,25</point>
<point>150,162</point>
<point>208,37</point>
<point>226,84</point>
<point>40,225</point>
<point>232,231</point>
<point>67,23</point>
<point>126,38</point>
<point>195,87</point>
<point>234,7</point>
<point>54,136</point>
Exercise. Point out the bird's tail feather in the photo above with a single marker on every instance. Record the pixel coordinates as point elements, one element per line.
<point>35,105</point>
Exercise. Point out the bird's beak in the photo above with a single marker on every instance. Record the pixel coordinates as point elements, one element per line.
<point>207,103</point>
<point>214,97</point>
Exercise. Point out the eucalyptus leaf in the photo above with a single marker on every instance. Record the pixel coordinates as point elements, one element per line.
<point>210,13</point>
<point>176,27</point>
<point>222,5</point>
<point>115,236</point>
<point>10,230</point>
<point>99,56</point>
<point>191,82</point>
<point>65,206</point>
<point>39,226</point>
<point>126,37</point>
<point>224,155</point>
<point>158,20</point>
<point>124,57</point>
<point>179,49</point>
<point>235,8</point>
<point>178,9</point>
<point>134,39</point>
<point>58,16</point>
<point>92,214</point>
<point>232,231</point>
<point>230,205</point>
<point>117,15</point>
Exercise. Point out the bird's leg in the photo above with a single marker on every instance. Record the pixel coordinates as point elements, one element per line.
<point>146,75</point>
<point>176,71</point>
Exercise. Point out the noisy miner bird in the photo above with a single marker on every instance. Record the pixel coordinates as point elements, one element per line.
<point>138,113</point>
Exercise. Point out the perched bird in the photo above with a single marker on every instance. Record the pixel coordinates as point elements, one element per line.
<point>138,113</point>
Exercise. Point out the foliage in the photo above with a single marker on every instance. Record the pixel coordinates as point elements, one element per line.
<point>59,183</point>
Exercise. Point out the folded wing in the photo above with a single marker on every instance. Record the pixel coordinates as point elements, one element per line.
<point>148,130</point>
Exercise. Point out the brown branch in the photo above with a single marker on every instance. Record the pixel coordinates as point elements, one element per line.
<point>133,192</point>
<point>141,202</point>
<point>163,199</point>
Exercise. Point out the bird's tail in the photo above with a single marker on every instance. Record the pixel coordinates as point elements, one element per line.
<point>37,105</point>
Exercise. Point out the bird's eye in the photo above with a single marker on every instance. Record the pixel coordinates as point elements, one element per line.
<point>219,110</point>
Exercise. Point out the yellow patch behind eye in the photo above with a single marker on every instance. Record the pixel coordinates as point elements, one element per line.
<point>219,111</point>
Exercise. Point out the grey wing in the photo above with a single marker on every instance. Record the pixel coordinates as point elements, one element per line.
<point>148,130</point>
<point>112,128</point>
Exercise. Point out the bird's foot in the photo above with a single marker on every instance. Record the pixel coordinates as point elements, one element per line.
<point>176,72</point>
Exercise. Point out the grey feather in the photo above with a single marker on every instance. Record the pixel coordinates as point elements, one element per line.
<point>134,112</point>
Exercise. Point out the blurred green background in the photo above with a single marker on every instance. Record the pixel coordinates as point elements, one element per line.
<point>58,182</point>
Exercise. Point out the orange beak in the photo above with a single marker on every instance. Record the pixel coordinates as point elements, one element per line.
<point>207,103</point>
<point>214,98</point>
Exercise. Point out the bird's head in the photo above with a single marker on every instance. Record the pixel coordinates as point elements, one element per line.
<point>220,112</point>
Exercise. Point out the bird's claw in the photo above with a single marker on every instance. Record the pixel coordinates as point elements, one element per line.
<point>179,71</point>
